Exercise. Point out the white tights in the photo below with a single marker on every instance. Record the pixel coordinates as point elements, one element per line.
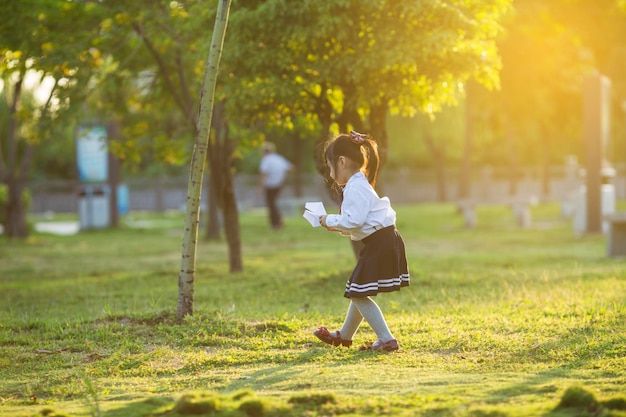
<point>365,308</point>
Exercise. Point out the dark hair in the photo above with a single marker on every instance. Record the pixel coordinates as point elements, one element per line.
<point>360,149</point>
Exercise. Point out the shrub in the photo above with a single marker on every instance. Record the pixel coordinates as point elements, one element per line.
<point>253,408</point>
<point>197,404</point>
<point>313,399</point>
<point>578,397</point>
<point>618,403</point>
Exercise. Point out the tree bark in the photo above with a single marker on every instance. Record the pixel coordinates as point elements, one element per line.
<point>510,132</point>
<point>16,226</point>
<point>324,110</point>
<point>13,173</point>
<point>438,154</point>
<point>180,95</point>
<point>231,227</point>
<point>350,115</point>
<point>297,162</point>
<point>114,177</point>
<point>213,218</point>
<point>221,156</point>
<point>547,156</point>
<point>378,128</point>
<point>198,160</point>
<point>466,164</point>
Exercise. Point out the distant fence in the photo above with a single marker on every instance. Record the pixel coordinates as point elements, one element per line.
<point>402,186</point>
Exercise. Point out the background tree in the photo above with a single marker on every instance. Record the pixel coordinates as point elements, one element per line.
<point>161,47</point>
<point>548,49</point>
<point>50,40</point>
<point>351,63</point>
<point>538,107</point>
<point>601,28</point>
<point>534,120</point>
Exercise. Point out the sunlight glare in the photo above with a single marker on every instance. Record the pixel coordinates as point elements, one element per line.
<point>41,88</point>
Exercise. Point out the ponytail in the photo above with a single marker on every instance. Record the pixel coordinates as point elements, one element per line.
<point>372,162</point>
<point>358,147</point>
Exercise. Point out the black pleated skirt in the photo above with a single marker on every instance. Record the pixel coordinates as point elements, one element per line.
<point>382,265</point>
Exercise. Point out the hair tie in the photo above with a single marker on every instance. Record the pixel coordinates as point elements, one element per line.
<point>357,137</point>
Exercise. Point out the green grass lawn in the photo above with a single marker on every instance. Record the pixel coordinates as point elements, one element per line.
<point>498,321</point>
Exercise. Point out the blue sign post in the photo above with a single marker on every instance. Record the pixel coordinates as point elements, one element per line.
<point>92,154</point>
<point>92,160</point>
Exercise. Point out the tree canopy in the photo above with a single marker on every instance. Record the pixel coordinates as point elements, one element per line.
<point>319,66</point>
<point>535,117</point>
<point>350,62</point>
<point>50,40</point>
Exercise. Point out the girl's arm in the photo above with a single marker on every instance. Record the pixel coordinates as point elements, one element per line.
<point>354,210</point>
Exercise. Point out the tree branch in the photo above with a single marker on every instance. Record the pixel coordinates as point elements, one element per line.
<point>163,70</point>
<point>184,87</point>
<point>12,139</point>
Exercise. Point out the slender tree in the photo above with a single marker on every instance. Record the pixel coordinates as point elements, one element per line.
<point>198,160</point>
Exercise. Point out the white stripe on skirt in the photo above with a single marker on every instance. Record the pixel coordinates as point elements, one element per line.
<point>374,286</point>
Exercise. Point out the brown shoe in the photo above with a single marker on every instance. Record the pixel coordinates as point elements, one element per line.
<point>388,346</point>
<point>325,336</point>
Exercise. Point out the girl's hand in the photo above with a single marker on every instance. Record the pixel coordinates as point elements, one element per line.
<point>323,223</point>
<point>322,220</point>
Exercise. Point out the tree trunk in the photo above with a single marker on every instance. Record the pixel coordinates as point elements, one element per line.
<point>13,172</point>
<point>545,179</point>
<point>510,132</point>
<point>198,160</point>
<point>513,160</point>
<point>378,128</point>
<point>297,162</point>
<point>15,216</point>
<point>547,156</point>
<point>350,114</point>
<point>222,148</point>
<point>466,165</point>
<point>213,218</point>
<point>231,227</point>
<point>438,154</point>
<point>324,112</point>
<point>114,178</point>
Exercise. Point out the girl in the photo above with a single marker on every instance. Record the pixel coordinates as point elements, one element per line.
<point>382,267</point>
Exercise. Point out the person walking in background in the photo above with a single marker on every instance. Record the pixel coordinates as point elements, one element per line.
<point>364,216</point>
<point>274,169</point>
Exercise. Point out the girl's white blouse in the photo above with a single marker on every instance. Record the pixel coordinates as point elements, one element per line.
<point>362,211</point>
